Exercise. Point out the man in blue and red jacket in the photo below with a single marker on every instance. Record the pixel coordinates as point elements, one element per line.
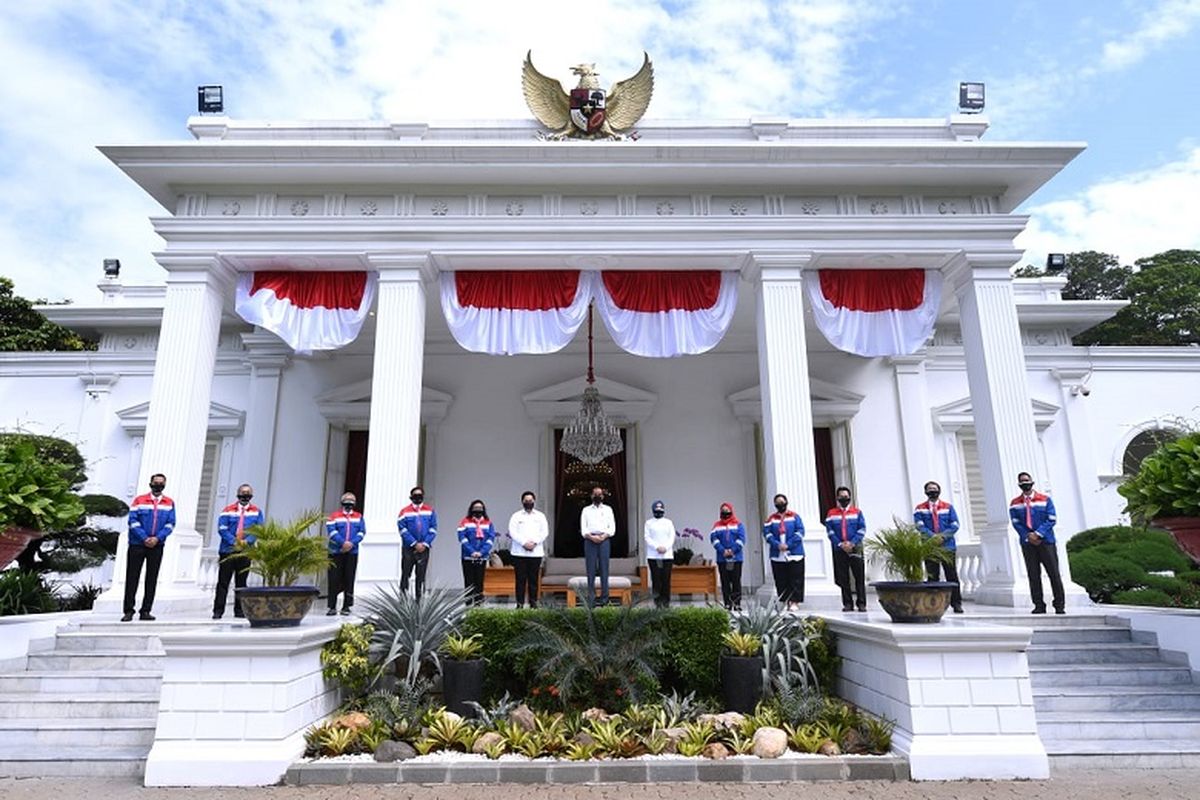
<point>418,528</point>
<point>1032,515</point>
<point>345,529</point>
<point>234,526</point>
<point>936,518</point>
<point>846,527</point>
<point>151,520</point>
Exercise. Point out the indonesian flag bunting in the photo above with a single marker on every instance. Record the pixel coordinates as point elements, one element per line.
<point>308,310</point>
<point>515,312</point>
<point>667,313</point>
<point>875,312</point>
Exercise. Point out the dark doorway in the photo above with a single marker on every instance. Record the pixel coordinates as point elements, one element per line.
<point>573,482</point>
<point>826,481</point>
<point>356,467</point>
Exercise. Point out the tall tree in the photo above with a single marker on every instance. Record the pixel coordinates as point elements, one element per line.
<point>24,329</point>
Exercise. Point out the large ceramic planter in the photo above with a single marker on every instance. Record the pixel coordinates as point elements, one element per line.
<point>462,682</point>
<point>741,682</point>
<point>1186,531</point>
<point>914,602</point>
<point>13,542</point>
<point>276,606</point>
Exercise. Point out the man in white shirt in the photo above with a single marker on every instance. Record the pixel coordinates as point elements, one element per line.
<point>659,533</point>
<point>528,530</point>
<point>597,525</point>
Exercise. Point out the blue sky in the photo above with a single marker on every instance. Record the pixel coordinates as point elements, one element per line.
<point>1118,74</point>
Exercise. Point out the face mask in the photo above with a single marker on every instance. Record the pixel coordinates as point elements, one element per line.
<point>417,498</point>
<point>157,488</point>
<point>658,513</point>
<point>476,512</point>
<point>245,498</point>
<point>1025,487</point>
<point>347,507</point>
<point>781,507</point>
<point>528,505</point>
<point>726,513</point>
<point>844,502</point>
<point>933,495</point>
<point>597,499</point>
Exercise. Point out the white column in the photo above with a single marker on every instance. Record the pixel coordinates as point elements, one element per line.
<point>395,428</point>
<point>97,406</point>
<point>787,412</point>
<point>1083,463</point>
<point>916,425</point>
<point>178,422</point>
<point>1003,413</point>
<point>267,356</point>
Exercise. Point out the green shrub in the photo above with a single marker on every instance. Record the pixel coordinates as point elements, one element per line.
<point>1165,584</point>
<point>1114,559</point>
<point>25,593</point>
<point>691,653</point>
<point>1103,575</point>
<point>1144,597</point>
<point>346,661</point>
<point>1168,482</point>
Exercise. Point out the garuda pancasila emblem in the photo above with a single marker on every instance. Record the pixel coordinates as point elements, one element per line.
<point>587,111</point>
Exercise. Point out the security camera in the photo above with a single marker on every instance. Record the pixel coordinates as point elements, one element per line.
<point>1085,391</point>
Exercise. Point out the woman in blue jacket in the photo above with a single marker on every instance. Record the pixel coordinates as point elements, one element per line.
<point>784,532</point>
<point>475,539</point>
<point>728,539</point>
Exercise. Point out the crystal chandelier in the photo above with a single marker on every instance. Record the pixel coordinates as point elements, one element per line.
<point>590,437</point>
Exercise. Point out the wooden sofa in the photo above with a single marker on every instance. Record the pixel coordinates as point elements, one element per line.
<point>556,572</point>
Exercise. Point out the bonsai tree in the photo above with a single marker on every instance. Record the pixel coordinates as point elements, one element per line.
<point>36,495</point>
<point>902,550</point>
<point>282,551</point>
<point>1167,484</point>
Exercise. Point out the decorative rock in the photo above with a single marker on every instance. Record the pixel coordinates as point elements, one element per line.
<point>390,750</point>
<point>485,741</point>
<point>715,751</point>
<point>522,716</point>
<point>723,722</point>
<point>597,714</point>
<point>854,742</point>
<point>452,717</point>
<point>355,721</point>
<point>584,738</point>
<point>829,748</point>
<point>770,742</point>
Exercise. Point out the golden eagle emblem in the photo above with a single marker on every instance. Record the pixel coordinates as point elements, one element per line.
<point>587,111</point>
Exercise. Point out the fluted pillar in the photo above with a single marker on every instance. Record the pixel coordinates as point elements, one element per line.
<point>267,355</point>
<point>1003,411</point>
<point>916,425</point>
<point>177,426</point>
<point>395,427</point>
<point>787,411</point>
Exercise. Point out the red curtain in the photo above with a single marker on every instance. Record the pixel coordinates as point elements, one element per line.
<point>314,289</point>
<point>526,290</point>
<point>874,289</point>
<point>663,290</point>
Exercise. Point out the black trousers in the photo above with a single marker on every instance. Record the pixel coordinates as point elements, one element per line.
<point>526,569</point>
<point>846,566</point>
<point>134,558</point>
<point>1037,557</point>
<point>731,583</point>
<point>230,568</point>
<point>411,560</point>
<point>933,571</point>
<point>595,559</point>
<point>472,569</point>
<point>660,580</point>
<point>342,569</point>
<point>789,580</point>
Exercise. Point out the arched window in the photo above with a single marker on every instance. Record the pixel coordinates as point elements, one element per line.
<point>1143,445</point>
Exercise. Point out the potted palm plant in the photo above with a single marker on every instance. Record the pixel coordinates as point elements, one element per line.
<point>282,553</point>
<point>1165,492</point>
<point>902,550</point>
<point>462,673</point>
<point>741,671</point>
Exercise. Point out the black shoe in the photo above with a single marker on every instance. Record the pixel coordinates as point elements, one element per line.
<point>127,618</point>
<point>1060,611</point>
<point>217,616</point>
<point>239,615</point>
<point>862,609</point>
<point>958,610</point>
<point>146,617</point>
<point>519,606</point>
<point>1039,610</point>
<point>332,612</point>
<point>847,608</point>
<point>345,612</point>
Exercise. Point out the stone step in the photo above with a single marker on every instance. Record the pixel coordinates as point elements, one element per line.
<point>79,705</point>
<point>1119,726</point>
<point>107,762</point>
<point>1066,754</point>
<point>76,732</point>
<point>1045,621</point>
<point>1084,634</point>
<point>116,682</point>
<point>1129,674</point>
<point>74,660</point>
<point>80,642</point>
<point>1083,699</point>
<point>1040,654</point>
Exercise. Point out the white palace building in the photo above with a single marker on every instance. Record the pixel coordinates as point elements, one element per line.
<point>780,306</point>
<point>181,384</point>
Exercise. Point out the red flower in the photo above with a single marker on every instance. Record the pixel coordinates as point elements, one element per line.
<point>536,691</point>
<point>620,692</point>
<point>554,691</point>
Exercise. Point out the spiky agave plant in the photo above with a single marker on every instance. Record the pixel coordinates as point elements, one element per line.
<point>903,550</point>
<point>409,632</point>
<point>283,551</point>
<point>785,639</point>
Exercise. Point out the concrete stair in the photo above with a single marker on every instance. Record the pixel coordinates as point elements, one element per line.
<point>85,705</point>
<point>1107,700</point>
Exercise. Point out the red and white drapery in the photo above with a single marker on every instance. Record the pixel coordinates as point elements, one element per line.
<point>308,310</point>
<point>657,314</point>
<point>875,312</point>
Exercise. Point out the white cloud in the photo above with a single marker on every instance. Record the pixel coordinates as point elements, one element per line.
<point>1172,19</point>
<point>1131,216</point>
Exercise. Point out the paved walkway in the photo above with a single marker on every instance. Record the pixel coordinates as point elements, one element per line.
<point>1075,785</point>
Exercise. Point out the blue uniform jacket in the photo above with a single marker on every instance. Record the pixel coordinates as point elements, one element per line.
<point>947,521</point>
<point>341,527</point>
<point>417,525</point>
<point>792,534</point>
<point>147,519</point>
<point>227,525</point>
<point>728,535</point>
<point>855,525</point>
<point>476,537</point>
<point>1041,513</point>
